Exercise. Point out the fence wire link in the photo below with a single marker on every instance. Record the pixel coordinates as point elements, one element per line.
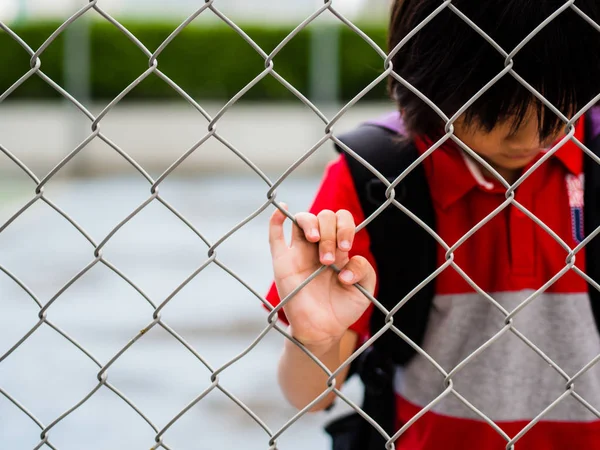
<point>155,319</point>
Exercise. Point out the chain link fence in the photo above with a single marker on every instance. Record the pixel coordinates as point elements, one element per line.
<point>160,433</point>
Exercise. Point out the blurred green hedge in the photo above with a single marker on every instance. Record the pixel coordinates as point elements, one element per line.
<point>209,62</point>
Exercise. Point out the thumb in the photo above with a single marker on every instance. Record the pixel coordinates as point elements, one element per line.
<point>358,270</point>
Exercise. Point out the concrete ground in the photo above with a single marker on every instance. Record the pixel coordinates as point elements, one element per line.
<point>214,313</point>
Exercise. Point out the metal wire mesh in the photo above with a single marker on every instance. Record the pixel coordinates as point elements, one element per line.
<point>160,433</point>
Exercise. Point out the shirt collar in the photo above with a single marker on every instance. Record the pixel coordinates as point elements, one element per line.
<point>447,172</point>
<point>452,173</point>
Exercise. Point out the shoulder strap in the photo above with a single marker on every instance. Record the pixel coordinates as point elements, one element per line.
<point>405,254</point>
<point>592,207</point>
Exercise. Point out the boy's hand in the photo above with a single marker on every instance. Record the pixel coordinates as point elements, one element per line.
<point>325,308</point>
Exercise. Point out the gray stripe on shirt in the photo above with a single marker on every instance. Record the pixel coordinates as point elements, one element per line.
<point>508,381</point>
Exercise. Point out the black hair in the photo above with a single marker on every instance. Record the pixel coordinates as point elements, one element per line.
<point>449,62</point>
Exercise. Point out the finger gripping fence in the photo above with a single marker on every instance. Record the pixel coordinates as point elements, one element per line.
<point>158,434</point>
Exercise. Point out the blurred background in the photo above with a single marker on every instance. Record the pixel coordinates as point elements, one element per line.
<point>213,188</point>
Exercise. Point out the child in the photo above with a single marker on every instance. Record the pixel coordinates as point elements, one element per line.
<point>493,398</point>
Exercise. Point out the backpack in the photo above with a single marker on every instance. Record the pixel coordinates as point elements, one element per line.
<point>393,232</point>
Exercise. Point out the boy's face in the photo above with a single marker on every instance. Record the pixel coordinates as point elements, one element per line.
<point>506,152</point>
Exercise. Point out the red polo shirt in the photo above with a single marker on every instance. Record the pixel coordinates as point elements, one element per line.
<point>510,257</point>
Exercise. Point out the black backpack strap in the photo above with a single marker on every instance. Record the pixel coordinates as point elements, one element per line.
<point>405,255</point>
<point>404,252</point>
<point>592,216</point>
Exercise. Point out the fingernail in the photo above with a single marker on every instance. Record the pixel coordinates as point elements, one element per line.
<point>314,233</point>
<point>328,257</point>
<point>347,276</point>
<point>345,245</point>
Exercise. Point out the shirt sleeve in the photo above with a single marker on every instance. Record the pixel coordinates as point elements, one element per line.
<point>337,192</point>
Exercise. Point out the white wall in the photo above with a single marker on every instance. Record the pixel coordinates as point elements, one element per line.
<point>156,134</point>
